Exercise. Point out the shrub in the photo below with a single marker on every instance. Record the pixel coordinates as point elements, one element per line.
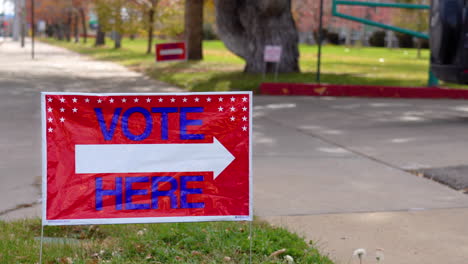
<point>405,40</point>
<point>425,43</point>
<point>209,32</point>
<point>377,39</point>
<point>333,38</point>
<point>324,35</point>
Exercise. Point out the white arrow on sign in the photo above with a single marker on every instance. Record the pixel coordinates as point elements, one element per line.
<point>130,158</point>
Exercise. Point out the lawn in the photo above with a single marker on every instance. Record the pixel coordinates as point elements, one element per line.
<point>222,71</point>
<point>221,242</point>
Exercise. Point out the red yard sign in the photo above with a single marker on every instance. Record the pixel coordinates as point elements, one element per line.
<point>145,158</point>
<point>171,51</point>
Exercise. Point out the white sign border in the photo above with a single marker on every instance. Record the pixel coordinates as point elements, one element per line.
<point>178,219</point>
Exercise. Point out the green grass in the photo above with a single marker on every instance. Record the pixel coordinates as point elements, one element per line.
<point>222,71</point>
<point>221,242</point>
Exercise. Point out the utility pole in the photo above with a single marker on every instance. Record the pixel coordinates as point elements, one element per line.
<point>17,21</point>
<point>32,29</point>
<point>23,21</point>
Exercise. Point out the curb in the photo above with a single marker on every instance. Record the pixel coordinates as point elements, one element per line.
<point>362,91</point>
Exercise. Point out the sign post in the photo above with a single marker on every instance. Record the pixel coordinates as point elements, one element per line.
<point>146,158</point>
<point>273,54</point>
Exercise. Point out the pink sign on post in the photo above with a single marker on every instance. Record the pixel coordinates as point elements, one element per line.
<point>272,53</point>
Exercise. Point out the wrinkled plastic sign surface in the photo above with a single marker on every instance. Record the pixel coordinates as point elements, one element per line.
<point>146,158</point>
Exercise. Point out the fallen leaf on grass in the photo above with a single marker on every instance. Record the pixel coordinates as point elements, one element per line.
<point>139,247</point>
<point>196,253</point>
<point>277,252</point>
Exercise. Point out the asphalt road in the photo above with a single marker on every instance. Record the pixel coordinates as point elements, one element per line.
<point>335,170</point>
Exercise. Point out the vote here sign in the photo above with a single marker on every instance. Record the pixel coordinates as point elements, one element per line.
<point>146,158</point>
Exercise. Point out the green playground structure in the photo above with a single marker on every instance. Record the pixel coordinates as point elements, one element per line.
<point>432,79</point>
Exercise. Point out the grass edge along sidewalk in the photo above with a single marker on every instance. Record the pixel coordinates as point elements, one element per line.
<point>220,70</point>
<point>213,242</point>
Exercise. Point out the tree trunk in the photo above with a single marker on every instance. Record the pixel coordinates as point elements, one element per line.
<point>117,40</point>
<point>100,37</point>
<point>69,24</point>
<point>83,25</point>
<point>247,26</point>
<point>59,31</point>
<point>194,28</point>
<point>76,30</point>
<point>150,29</point>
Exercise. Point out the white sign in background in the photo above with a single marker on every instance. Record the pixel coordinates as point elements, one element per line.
<point>272,53</point>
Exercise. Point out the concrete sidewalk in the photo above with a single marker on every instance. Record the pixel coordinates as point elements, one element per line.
<point>335,171</point>
<point>332,169</point>
<point>21,81</point>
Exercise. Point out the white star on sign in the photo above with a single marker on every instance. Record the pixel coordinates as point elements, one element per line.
<point>244,128</point>
<point>62,110</point>
<point>244,118</point>
<point>208,99</point>
<point>220,99</point>
<point>184,100</point>
<point>172,100</point>
<point>62,100</point>
<point>49,100</point>
<point>74,100</point>
<point>124,100</point>
<point>244,99</point>
<point>160,100</point>
<point>244,108</point>
<point>148,100</point>
<point>50,119</point>
<point>49,109</point>
<point>87,100</point>
<point>197,99</point>
<point>220,108</point>
<point>75,110</point>
<point>233,99</point>
<point>111,100</point>
<point>233,118</point>
<point>62,119</point>
<point>50,130</point>
<point>99,101</point>
<point>135,100</point>
<point>233,109</point>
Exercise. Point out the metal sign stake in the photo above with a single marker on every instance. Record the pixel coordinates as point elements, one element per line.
<point>251,240</point>
<point>42,242</point>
